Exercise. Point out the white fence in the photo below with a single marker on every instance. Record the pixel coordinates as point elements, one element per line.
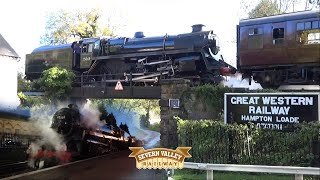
<point>297,171</point>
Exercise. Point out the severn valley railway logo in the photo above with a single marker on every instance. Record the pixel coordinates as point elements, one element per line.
<point>160,158</point>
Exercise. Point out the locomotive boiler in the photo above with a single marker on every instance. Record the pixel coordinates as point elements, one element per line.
<point>192,55</point>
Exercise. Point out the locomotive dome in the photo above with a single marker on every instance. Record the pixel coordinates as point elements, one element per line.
<point>197,27</point>
<point>139,34</point>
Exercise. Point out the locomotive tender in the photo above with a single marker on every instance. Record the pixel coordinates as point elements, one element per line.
<point>280,50</point>
<point>191,55</point>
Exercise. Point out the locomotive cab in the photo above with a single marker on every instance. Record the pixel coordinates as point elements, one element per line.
<point>84,52</point>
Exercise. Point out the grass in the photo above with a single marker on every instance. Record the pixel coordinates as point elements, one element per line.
<point>186,174</point>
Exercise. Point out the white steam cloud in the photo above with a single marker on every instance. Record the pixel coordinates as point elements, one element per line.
<point>41,117</point>
<point>236,81</point>
<point>90,116</point>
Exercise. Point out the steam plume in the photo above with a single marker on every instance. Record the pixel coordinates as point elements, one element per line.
<point>90,116</point>
<point>236,81</point>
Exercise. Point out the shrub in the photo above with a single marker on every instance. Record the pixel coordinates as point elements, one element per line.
<point>215,142</point>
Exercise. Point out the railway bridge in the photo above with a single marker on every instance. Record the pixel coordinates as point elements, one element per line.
<point>168,91</point>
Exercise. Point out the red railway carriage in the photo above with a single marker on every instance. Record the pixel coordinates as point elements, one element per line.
<point>280,50</point>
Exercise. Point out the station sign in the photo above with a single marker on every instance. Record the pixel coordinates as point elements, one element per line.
<point>280,111</point>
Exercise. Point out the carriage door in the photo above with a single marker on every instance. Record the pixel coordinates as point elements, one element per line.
<point>279,44</point>
<point>86,55</point>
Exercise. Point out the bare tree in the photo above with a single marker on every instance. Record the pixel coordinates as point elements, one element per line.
<point>310,4</point>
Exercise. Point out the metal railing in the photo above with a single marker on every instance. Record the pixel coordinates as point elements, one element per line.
<point>297,171</point>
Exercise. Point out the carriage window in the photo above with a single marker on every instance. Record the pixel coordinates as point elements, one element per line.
<point>278,35</point>
<point>300,26</point>
<point>310,36</point>
<point>255,39</point>
<point>315,24</point>
<point>307,25</point>
<point>314,38</point>
<point>255,31</point>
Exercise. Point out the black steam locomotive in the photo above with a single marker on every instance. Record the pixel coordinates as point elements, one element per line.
<point>191,55</point>
<point>79,140</point>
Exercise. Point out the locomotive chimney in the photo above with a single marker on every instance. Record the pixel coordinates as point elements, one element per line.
<point>197,27</point>
<point>139,34</point>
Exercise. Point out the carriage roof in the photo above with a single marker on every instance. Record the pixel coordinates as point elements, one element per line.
<point>281,18</point>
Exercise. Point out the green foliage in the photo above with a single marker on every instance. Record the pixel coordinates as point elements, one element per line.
<point>213,95</point>
<point>215,142</point>
<point>155,126</point>
<point>23,84</point>
<point>66,27</point>
<point>27,101</point>
<point>265,8</point>
<point>56,82</point>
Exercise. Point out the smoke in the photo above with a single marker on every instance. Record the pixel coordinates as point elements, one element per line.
<point>90,116</point>
<point>41,118</point>
<point>236,81</point>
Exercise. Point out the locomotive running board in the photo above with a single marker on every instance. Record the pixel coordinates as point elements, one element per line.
<point>153,63</point>
<point>149,76</point>
<point>144,54</point>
